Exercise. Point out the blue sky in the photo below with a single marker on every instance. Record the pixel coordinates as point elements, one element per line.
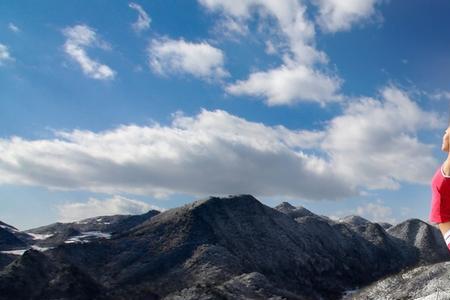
<point>118,106</point>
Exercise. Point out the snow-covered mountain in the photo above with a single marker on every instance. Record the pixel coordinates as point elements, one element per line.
<point>86,230</point>
<point>218,248</point>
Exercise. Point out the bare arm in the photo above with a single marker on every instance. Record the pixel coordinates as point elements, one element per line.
<point>446,148</point>
<point>446,166</point>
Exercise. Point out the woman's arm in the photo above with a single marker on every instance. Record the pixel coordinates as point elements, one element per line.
<point>446,166</point>
<point>446,148</point>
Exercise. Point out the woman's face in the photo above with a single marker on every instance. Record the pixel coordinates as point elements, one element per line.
<point>445,141</point>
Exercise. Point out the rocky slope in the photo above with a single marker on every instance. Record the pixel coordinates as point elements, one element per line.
<point>426,282</point>
<point>229,248</point>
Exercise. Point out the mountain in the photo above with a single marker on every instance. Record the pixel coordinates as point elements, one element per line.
<point>225,248</point>
<point>207,242</point>
<point>425,238</point>
<point>11,238</point>
<point>424,279</point>
<point>35,276</point>
<point>87,229</point>
<point>110,224</point>
<point>367,250</point>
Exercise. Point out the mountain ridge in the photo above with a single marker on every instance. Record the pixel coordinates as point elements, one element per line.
<point>220,244</point>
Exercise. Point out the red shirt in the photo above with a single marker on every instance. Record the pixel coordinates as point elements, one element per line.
<point>440,201</point>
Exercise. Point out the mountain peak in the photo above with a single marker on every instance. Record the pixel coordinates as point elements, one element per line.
<point>241,200</point>
<point>286,206</point>
<point>229,200</point>
<point>206,207</point>
<point>426,238</point>
<point>292,211</point>
<point>7,226</point>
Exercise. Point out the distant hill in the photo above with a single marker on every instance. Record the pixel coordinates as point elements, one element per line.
<point>11,238</point>
<point>85,230</point>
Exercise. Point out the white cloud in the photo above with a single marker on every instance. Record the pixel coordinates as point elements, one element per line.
<point>374,142</point>
<point>290,16</point>
<point>201,60</point>
<point>271,49</point>
<point>372,211</point>
<point>13,27</point>
<point>213,153</point>
<point>338,15</point>
<point>4,54</point>
<point>117,205</point>
<point>439,95</point>
<point>230,28</point>
<point>143,21</point>
<point>289,85</point>
<point>297,79</point>
<point>372,145</point>
<point>376,212</point>
<point>80,37</point>
<point>291,35</point>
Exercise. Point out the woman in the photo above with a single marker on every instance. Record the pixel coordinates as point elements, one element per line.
<point>440,188</point>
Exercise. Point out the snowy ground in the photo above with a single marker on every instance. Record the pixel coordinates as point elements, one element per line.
<point>22,251</point>
<point>85,237</point>
<point>88,236</point>
<point>38,236</point>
